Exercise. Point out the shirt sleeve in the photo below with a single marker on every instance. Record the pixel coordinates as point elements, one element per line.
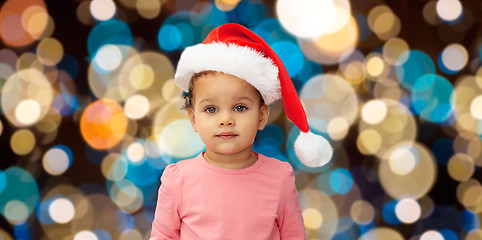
<point>167,221</point>
<point>290,220</point>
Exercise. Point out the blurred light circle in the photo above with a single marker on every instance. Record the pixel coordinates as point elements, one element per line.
<point>226,5</point>
<point>136,107</point>
<point>341,181</point>
<point>20,196</point>
<point>141,76</point>
<point>384,23</point>
<point>50,51</point>
<point>113,31</point>
<point>449,10</point>
<point>103,124</point>
<point>27,112</point>
<point>126,195</point>
<point>131,234</point>
<point>433,98</point>
<point>323,211</point>
<point>369,141</point>
<point>475,234</point>
<point>393,50</point>
<point>381,233</point>
<point>61,210</point>
<point>330,48</point>
<point>3,181</point>
<point>170,91</point>
<point>476,107</point>
<point>35,21</point>
<point>374,111</point>
<point>148,9</point>
<point>454,57</point>
<point>461,167</point>
<point>135,152</point>
<point>417,182</point>
<point>469,193</point>
<point>306,19</point>
<point>312,218</point>
<point>432,235</point>
<point>326,97</point>
<point>362,212</point>
<point>408,210</point>
<point>102,9</point>
<point>22,142</point>
<point>85,235</point>
<point>4,235</point>
<point>338,128</point>
<point>430,13</point>
<point>169,37</point>
<point>403,160</point>
<point>20,90</point>
<point>12,30</point>
<point>16,211</point>
<point>57,160</point>
<point>114,167</point>
<point>415,65</point>
<point>375,66</point>
<point>108,57</point>
<point>291,56</point>
<point>178,139</point>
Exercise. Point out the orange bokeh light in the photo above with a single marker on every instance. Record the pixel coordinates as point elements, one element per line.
<point>12,32</point>
<point>103,124</point>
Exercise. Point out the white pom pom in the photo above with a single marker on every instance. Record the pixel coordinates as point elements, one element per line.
<point>313,150</point>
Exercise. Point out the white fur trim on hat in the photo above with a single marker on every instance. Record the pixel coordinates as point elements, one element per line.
<point>243,62</point>
<point>313,150</point>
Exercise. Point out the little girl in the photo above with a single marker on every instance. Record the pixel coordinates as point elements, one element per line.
<point>229,191</point>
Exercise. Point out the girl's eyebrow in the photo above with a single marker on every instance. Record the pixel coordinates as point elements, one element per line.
<point>245,98</point>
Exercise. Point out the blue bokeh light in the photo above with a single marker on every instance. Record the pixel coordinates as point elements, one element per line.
<point>417,64</point>
<point>433,98</point>
<point>114,32</point>
<point>388,213</point>
<point>341,181</point>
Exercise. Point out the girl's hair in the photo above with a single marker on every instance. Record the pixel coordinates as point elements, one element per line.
<point>188,97</point>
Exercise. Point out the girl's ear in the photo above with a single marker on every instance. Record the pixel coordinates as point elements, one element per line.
<point>263,116</point>
<point>192,118</point>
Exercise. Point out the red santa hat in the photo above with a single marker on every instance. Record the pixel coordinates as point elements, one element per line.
<point>234,49</point>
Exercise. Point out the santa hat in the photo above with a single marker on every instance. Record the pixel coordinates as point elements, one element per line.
<point>234,49</point>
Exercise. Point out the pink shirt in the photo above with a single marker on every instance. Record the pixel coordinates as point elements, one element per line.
<point>198,200</point>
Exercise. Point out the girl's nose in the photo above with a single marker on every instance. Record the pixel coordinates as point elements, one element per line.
<point>226,120</point>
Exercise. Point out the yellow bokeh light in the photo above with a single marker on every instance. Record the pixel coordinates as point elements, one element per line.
<point>469,193</point>
<point>338,128</point>
<point>408,210</point>
<point>432,235</point>
<point>61,210</point>
<point>375,65</point>
<point>362,212</point>
<point>382,233</point>
<point>85,235</point>
<point>475,234</point>
<point>148,9</point>
<point>136,107</point>
<point>312,218</point>
<point>108,57</point>
<point>417,182</point>
<point>131,234</point>
<point>476,107</point>
<point>28,112</point>
<point>170,91</point>
<point>113,167</point>
<point>449,10</point>
<point>22,142</point>
<point>136,153</point>
<point>402,161</point>
<point>102,9</point>
<point>141,76</point>
<point>369,141</point>
<point>55,161</point>
<point>393,50</point>
<point>461,167</point>
<point>387,26</point>
<point>50,51</point>
<point>374,111</point>
<point>226,5</point>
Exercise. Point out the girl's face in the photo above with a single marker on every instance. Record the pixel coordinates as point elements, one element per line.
<point>226,112</point>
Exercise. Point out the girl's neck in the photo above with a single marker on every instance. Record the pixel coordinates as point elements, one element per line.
<point>240,160</point>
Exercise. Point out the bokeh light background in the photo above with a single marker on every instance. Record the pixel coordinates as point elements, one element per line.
<point>90,115</point>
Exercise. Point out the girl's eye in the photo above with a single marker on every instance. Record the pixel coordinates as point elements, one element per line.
<point>210,110</point>
<point>240,108</point>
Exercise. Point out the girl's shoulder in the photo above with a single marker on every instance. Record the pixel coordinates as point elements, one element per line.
<point>277,165</point>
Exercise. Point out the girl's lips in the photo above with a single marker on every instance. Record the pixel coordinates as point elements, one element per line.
<point>226,135</point>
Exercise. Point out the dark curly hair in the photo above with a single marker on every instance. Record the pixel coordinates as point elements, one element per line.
<point>188,97</point>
